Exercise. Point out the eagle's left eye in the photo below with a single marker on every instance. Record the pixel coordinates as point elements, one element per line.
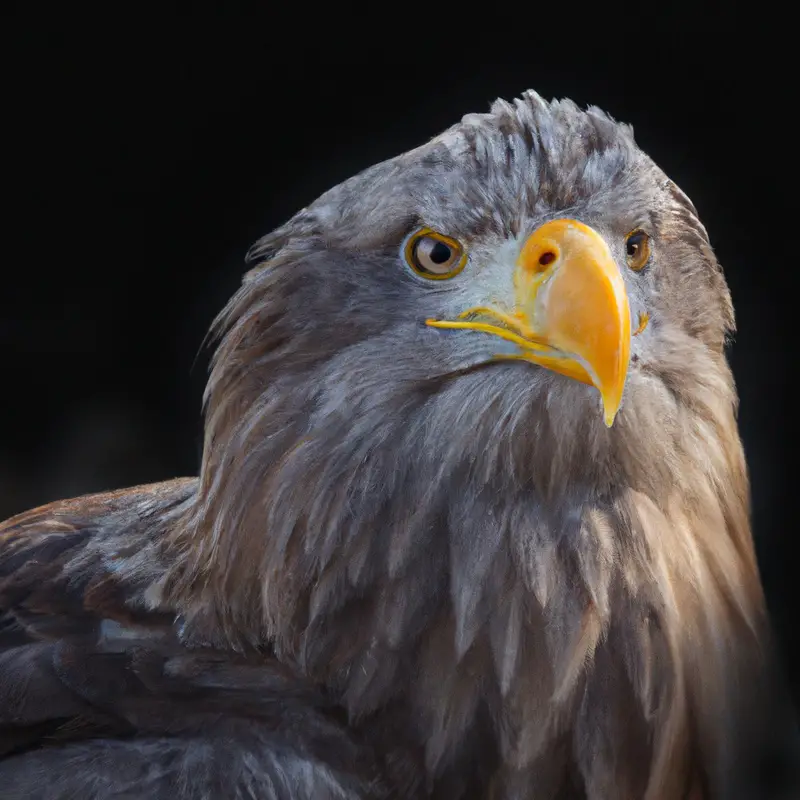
<point>434,255</point>
<point>637,250</point>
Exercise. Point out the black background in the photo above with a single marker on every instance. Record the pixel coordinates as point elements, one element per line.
<point>148,152</point>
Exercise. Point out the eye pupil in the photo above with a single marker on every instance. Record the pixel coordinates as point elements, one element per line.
<point>633,245</point>
<point>440,253</point>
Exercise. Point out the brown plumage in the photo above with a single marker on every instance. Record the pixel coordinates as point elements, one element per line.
<point>415,565</point>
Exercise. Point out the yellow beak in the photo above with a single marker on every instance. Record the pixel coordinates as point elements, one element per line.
<point>571,310</point>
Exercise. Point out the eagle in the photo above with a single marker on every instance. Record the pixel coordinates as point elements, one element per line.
<point>471,519</point>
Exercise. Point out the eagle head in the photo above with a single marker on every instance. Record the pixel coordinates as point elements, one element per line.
<point>471,462</point>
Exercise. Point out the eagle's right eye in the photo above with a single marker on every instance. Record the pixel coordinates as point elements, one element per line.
<point>434,255</point>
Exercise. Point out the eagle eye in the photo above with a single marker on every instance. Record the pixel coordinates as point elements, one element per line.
<point>434,255</point>
<point>637,250</point>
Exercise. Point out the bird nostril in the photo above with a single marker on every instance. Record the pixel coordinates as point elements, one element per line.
<point>548,257</point>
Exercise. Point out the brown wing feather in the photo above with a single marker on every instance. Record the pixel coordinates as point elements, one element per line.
<point>56,586</point>
<point>60,561</point>
<point>96,688</point>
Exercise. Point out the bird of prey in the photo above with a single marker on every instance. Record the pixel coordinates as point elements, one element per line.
<point>471,519</point>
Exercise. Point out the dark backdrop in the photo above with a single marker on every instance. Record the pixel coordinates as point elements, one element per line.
<point>147,153</point>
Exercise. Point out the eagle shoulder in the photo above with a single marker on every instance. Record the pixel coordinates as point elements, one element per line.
<point>97,690</point>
